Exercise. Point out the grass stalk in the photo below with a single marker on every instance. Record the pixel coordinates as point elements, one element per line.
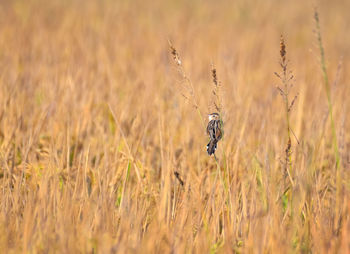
<point>189,88</point>
<point>327,88</point>
<point>286,79</point>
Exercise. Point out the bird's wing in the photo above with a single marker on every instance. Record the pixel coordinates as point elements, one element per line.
<point>211,129</point>
<point>218,132</point>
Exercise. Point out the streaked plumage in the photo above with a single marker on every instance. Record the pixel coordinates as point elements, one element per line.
<point>214,130</point>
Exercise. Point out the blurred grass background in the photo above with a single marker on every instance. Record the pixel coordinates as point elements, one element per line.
<point>93,127</point>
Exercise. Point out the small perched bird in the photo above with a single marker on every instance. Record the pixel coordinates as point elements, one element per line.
<point>214,131</point>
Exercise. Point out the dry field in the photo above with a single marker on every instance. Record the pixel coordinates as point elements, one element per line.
<point>103,135</point>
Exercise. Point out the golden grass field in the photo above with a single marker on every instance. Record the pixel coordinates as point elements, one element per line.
<point>97,120</point>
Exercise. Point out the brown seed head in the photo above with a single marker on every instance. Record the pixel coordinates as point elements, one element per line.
<point>175,55</point>
<point>215,78</point>
<point>282,49</point>
<point>173,51</point>
<point>316,15</point>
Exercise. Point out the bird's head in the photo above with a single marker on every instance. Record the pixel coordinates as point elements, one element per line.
<point>214,116</point>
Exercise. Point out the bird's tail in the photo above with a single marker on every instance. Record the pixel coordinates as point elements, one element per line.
<point>211,147</point>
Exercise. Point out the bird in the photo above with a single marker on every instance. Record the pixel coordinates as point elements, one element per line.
<point>214,130</point>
